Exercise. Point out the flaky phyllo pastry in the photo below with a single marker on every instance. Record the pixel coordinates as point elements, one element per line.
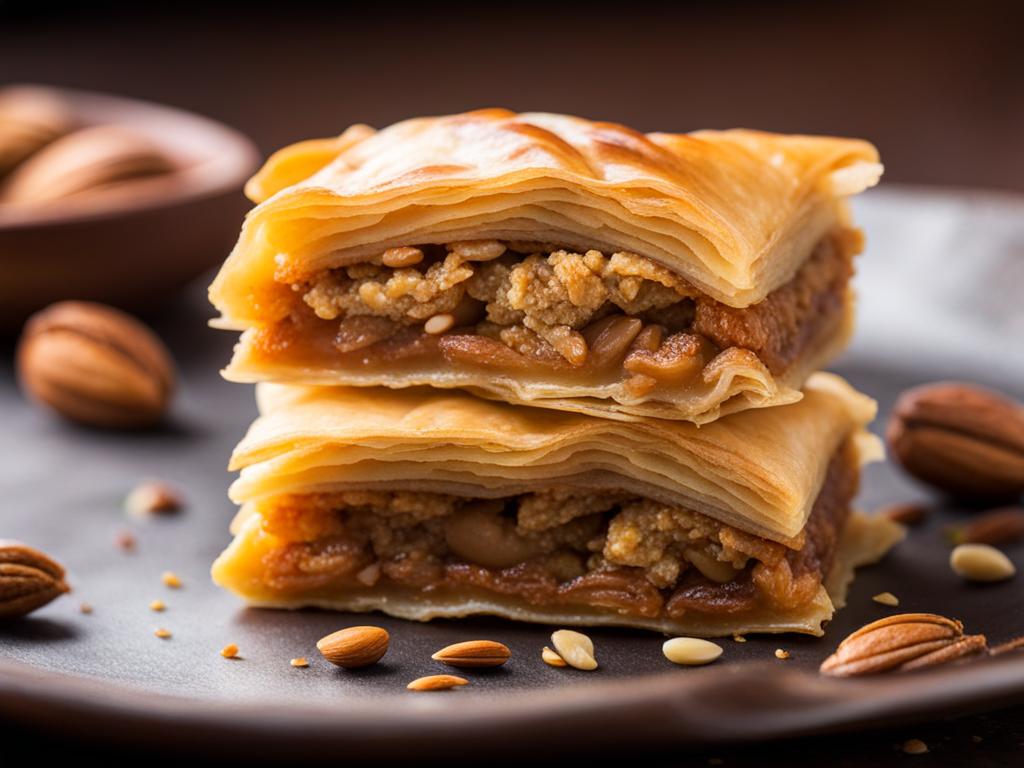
<point>425,503</point>
<point>550,260</point>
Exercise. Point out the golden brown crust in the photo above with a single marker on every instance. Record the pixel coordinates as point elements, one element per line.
<point>733,212</point>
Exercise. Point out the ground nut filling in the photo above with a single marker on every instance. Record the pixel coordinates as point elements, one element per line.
<point>525,305</point>
<point>556,547</point>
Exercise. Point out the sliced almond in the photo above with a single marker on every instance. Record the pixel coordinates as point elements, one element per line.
<point>981,562</point>
<point>436,683</point>
<point>551,658</point>
<point>575,648</point>
<point>354,647</point>
<point>474,653</point>
<point>690,651</point>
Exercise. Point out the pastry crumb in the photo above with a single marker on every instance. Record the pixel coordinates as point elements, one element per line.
<point>125,541</point>
<point>739,638</point>
<point>170,579</point>
<point>301,661</point>
<point>85,608</point>
<point>163,634</point>
<point>229,651</point>
<point>886,598</point>
<point>157,605</point>
<point>781,654</point>
<point>152,497</point>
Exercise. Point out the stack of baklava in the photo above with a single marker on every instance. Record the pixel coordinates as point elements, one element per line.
<point>551,369</point>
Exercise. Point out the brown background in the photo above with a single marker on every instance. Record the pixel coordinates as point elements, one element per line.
<point>938,86</point>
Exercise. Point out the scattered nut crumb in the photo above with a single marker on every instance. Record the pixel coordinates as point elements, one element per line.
<point>551,658</point>
<point>229,651</point>
<point>162,633</point>
<point>915,747</point>
<point>977,739</point>
<point>170,579</point>
<point>739,638</point>
<point>125,540</point>
<point>157,605</point>
<point>906,513</point>
<point>301,661</point>
<point>781,654</point>
<point>886,598</point>
<point>152,497</point>
<point>85,608</point>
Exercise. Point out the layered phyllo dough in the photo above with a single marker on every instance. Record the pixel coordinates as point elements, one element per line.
<point>551,261</point>
<point>425,503</point>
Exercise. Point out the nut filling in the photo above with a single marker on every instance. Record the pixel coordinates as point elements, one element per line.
<point>555,547</point>
<point>535,308</point>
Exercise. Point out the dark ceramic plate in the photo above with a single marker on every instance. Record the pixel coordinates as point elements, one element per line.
<point>937,287</point>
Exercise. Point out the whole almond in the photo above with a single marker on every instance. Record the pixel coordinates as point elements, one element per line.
<point>436,683</point>
<point>354,647</point>
<point>95,365</point>
<point>902,642</point>
<point>29,579</point>
<point>474,653</point>
<point>997,526</point>
<point>981,562</point>
<point>960,438</point>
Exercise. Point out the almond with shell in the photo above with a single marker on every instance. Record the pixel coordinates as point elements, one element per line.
<point>901,643</point>
<point>960,438</point>
<point>95,365</point>
<point>29,579</point>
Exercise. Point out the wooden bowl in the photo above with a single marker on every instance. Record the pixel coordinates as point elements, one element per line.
<point>137,248</point>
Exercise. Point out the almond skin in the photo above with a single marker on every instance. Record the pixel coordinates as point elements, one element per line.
<point>29,579</point>
<point>474,653</point>
<point>354,647</point>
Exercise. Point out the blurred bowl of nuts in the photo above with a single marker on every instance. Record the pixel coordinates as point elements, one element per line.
<point>111,199</point>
